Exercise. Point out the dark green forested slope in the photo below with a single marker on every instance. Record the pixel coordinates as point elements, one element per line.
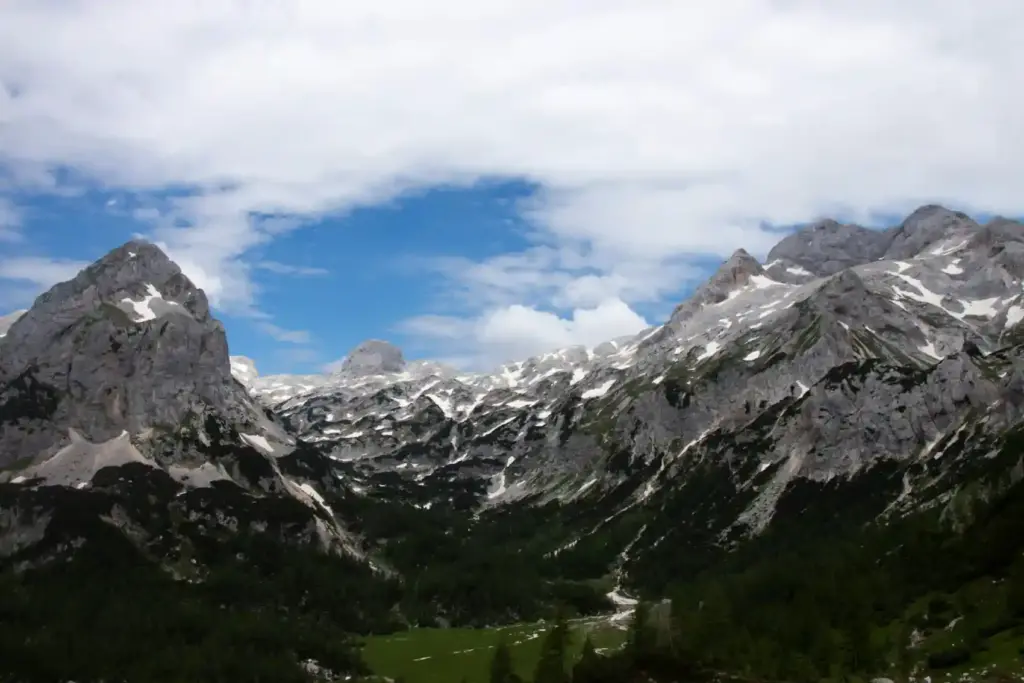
<point>814,597</point>
<point>111,615</point>
<point>907,600</point>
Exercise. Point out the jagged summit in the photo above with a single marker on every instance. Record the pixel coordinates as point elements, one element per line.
<point>373,357</point>
<point>739,270</point>
<point>934,212</point>
<point>831,297</point>
<point>783,399</point>
<point>924,227</point>
<point>957,269</point>
<point>134,283</point>
<point>118,408</point>
<point>740,265</point>
<point>126,345</point>
<point>826,247</point>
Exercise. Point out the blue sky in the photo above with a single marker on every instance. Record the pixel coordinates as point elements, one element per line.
<point>336,281</point>
<point>534,174</point>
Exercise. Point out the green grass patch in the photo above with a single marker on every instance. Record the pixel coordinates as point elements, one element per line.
<point>970,630</point>
<point>436,655</point>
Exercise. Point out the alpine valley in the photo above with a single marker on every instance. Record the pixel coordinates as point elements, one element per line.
<point>816,462</point>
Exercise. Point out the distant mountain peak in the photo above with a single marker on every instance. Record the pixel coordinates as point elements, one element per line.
<point>244,370</point>
<point>928,210</point>
<point>741,262</point>
<point>827,246</point>
<point>824,225</point>
<point>373,357</point>
<point>924,227</point>
<point>734,274</point>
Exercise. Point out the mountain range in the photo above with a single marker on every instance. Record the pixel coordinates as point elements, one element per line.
<point>857,382</point>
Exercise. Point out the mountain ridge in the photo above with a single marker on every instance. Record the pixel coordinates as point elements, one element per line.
<point>854,386</point>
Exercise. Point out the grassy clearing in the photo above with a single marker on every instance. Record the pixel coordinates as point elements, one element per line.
<point>434,655</point>
<point>973,619</point>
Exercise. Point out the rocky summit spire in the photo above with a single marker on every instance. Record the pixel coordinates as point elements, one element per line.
<point>736,271</point>
<point>126,344</point>
<point>731,276</point>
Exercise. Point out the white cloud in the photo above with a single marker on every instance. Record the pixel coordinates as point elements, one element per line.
<point>517,327</point>
<point>517,331</point>
<point>40,272</point>
<point>10,222</point>
<point>289,269</point>
<point>658,129</point>
<point>283,335</point>
<point>565,277</point>
<point>25,277</point>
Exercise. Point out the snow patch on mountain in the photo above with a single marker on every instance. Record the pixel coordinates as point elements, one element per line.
<point>151,306</point>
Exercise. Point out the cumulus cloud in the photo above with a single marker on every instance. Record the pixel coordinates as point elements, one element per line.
<point>283,335</point>
<point>26,276</point>
<point>38,271</point>
<point>10,222</point>
<point>658,130</point>
<point>517,331</point>
<point>289,269</point>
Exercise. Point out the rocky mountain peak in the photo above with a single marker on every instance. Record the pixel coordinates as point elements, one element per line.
<point>741,263</point>
<point>736,272</point>
<point>137,278</point>
<point>926,226</point>
<point>126,345</point>
<point>826,247</point>
<point>244,370</point>
<point>116,385</point>
<point>925,211</point>
<point>373,357</point>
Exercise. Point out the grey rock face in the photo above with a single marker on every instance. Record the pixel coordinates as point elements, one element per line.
<point>925,227</point>
<point>730,277</point>
<point>856,347</point>
<point>7,320</point>
<point>827,247</point>
<point>888,361</point>
<point>126,345</point>
<point>373,357</point>
<point>740,273</point>
<point>121,378</point>
<point>244,370</point>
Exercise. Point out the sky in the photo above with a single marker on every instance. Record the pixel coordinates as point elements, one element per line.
<point>482,180</point>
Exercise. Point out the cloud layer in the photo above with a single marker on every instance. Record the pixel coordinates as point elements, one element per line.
<point>658,130</point>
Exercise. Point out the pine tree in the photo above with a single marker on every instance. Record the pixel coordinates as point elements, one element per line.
<point>904,653</point>
<point>501,664</point>
<point>551,665</point>
<point>642,638</point>
<point>1015,589</point>
<point>684,626</point>
<point>588,668</point>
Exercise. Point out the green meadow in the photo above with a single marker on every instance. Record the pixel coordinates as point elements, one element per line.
<point>436,655</point>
